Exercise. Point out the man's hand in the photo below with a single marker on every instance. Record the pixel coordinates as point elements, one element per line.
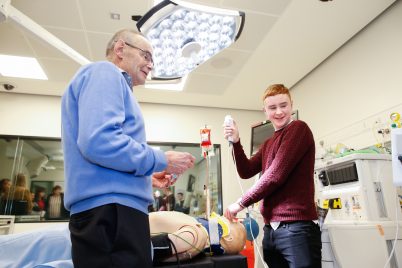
<point>178,162</point>
<point>232,211</point>
<point>162,179</point>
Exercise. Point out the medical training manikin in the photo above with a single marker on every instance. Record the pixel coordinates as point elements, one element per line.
<point>184,237</point>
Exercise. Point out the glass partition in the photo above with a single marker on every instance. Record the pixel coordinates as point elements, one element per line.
<point>32,180</point>
<point>188,194</point>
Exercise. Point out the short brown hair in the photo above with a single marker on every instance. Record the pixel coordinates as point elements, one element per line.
<point>276,89</point>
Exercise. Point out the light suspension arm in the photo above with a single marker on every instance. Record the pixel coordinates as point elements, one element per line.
<point>7,11</point>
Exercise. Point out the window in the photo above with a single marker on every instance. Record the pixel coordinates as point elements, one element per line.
<point>32,180</point>
<point>188,194</point>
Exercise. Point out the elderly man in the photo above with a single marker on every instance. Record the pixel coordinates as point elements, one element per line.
<point>108,164</point>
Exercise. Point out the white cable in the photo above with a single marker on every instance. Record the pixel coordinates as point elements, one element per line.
<point>248,211</point>
<point>396,233</point>
<point>237,174</point>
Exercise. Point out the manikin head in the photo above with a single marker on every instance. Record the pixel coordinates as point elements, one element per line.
<point>235,241</point>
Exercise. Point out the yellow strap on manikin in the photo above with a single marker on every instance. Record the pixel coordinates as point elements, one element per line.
<point>222,223</point>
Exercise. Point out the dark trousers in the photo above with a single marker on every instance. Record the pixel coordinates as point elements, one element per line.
<point>112,235</point>
<point>293,245</point>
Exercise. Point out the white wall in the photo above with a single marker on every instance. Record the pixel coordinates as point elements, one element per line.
<point>31,115</point>
<point>358,85</point>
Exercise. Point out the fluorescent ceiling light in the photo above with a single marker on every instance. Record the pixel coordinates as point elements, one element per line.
<point>22,67</point>
<point>178,85</point>
<point>185,35</point>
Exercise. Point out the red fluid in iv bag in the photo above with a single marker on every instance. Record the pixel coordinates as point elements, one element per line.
<point>205,137</point>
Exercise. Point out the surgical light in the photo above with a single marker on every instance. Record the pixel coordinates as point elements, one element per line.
<point>185,35</point>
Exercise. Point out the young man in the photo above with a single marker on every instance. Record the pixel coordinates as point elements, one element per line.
<point>292,238</point>
<point>108,164</point>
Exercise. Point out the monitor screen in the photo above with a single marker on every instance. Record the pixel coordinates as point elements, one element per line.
<point>261,131</point>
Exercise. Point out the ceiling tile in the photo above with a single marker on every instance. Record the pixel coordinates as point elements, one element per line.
<point>100,20</point>
<point>13,41</point>
<point>211,3</point>
<point>59,70</point>
<point>98,42</point>
<point>207,84</point>
<point>227,62</point>
<point>57,13</point>
<point>273,7</point>
<point>75,39</point>
<point>255,29</point>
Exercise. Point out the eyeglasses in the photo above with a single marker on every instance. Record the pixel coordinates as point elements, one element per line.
<point>145,54</point>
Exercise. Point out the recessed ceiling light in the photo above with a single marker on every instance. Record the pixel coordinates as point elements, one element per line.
<point>22,67</point>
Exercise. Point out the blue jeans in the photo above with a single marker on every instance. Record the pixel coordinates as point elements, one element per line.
<point>293,245</point>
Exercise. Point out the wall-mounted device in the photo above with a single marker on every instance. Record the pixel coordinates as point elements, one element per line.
<point>360,185</point>
<point>363,213</point>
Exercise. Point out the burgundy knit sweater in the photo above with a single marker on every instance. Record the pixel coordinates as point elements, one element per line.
<point>286,185</point>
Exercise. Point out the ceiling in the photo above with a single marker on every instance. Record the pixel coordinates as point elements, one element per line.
<point>282,41</point>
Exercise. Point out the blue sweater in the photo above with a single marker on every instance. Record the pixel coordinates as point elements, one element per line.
<point>106,157</point>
